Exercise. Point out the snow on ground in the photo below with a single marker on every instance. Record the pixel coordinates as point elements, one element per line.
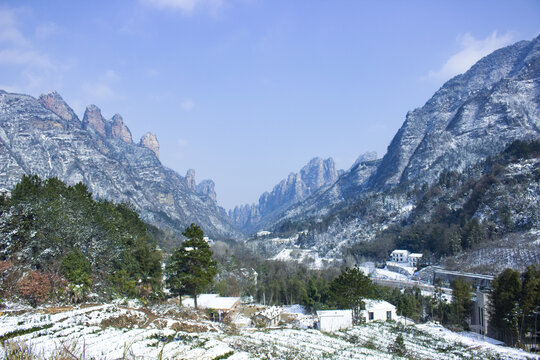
<point>113,331</point>
<point>305,256</point>
<point>387,274</point>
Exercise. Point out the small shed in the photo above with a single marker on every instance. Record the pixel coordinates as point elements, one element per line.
<point>222,305</point>
<point>269,316</point>
<point>378,310</point>
<point>334,320</point>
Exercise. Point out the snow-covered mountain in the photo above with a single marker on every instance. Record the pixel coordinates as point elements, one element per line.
<point>470,118</point>
<point>317,174</point>
<point>44,137</point>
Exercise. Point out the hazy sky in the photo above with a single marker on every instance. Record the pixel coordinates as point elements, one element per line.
<point>247,91</point>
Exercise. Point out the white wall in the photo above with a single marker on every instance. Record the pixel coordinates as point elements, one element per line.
<point>379,314</point>
<point>333,320</point>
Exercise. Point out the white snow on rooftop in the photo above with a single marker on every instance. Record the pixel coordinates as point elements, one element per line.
<point>212,301</point>
<point>377,304</point>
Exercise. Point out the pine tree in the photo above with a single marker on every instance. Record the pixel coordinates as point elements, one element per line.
<point>349,288</point>
<point>462,303</point>
<point>191,267</point>
<point>398,347</point>
<point>505,293</point>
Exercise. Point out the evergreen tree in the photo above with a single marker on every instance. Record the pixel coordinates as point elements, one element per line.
<point>191,267</point>
<point>349,288</point>
<point>504,309</point>
<point>46,223</point>
<point>462,303</point>
<point>530,300</point>
<point>398,347</point>
<point>76,268</point>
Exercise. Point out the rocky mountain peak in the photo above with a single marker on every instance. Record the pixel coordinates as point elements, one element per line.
<point>319,172</point>
<point>54,102</point>
<point>35,140</point>
<point>150,142</point>
<point>190,179</point>
<point>93,118</point>
<point>365,157</point>
<point>315,175</point>
<point>207,188</point>
<point>470,117</point>
<point>120,130</point>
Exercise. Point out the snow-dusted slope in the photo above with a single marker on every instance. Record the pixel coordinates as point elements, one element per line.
<point>167,332</point>
<point>473,116</point>
<point>45,137</point>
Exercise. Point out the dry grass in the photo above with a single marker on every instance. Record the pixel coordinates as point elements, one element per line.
<point>18,350</point>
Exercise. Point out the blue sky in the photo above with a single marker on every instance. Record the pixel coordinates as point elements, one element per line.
<point>246,91</point>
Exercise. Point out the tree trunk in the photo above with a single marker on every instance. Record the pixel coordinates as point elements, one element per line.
<point>195,299</point>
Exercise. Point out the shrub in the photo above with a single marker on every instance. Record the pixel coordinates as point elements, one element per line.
<point>34,287</point>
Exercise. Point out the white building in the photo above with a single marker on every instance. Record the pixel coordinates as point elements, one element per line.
<point>400,256</point>
<point>334,320</point>
<point>269,316</point>
<point>378,310</point>
<point>222,305</point>
<point>414,259</point>
<point>405,257</point>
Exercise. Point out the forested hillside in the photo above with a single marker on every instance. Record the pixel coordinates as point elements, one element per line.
<point>57,235</point>
<point>470,209</point>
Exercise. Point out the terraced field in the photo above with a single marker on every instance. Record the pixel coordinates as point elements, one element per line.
<point>112,331</point>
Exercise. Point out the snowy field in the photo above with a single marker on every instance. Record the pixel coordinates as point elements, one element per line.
<point>113,331</point>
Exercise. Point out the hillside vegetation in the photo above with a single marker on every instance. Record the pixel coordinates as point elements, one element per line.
<point>59,237</point>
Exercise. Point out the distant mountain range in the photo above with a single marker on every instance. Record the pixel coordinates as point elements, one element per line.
<point>45,137</point>
<point>317,174</point>
<point>472,117</point>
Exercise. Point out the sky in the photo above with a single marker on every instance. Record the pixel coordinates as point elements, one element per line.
<point>247,91</point>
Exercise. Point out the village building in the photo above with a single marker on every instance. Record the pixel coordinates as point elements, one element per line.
<point>480,317</point>
<point>377,310</point>
<point>405,257</point>
<point>414,259</point>
<point>221,305</point>
<point>399,256</point>
<point>269,316</point>
<point>334,320</point>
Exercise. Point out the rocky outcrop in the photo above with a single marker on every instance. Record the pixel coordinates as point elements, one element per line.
<point>35,140</point>
<point>150,142</point>
<point>94,120</point>
<point>207,188</point>
<point>190,180</point>
<point>120,130</point>
<point>472,116</point>
<point>315,175</point>
<point>54,102</point>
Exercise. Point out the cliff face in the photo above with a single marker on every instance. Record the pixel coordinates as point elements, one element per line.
<point>46,138</point>
<point>472,116</point>
<point>317,174</point>
<point>150,142</point>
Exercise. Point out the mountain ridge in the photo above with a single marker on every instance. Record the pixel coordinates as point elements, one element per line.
<point>470,118</point>
<point>316,174</point>
<point>44,137</point>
